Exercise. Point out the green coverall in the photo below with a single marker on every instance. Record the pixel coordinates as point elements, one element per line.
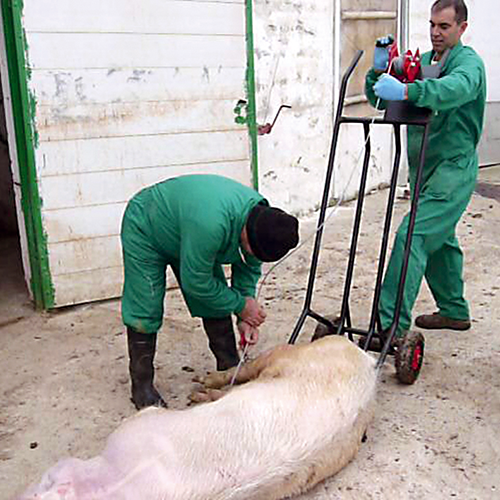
<point>457,99</point>
<point>192,223</point>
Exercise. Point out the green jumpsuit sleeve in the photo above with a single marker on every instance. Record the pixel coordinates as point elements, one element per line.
<point>460,86</point>
<point>371,79</point>
<point>245,276</point>
<point>199,247</point>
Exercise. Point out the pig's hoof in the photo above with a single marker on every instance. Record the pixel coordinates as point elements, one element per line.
<point>199,397</point>
<point>216,380</point>
<point>202,396</point>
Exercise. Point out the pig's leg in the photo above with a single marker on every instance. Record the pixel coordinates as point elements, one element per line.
<point>246,372</point>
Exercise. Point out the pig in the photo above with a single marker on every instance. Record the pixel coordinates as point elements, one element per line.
<point>300,420</point>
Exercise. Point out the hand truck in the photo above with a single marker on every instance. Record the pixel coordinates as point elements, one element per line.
<point>409,352</point>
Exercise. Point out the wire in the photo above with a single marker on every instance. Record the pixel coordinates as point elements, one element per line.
<point>333,211</point>
<point>240,364</point>
<point>319,228</point>
<point>272,85</point>
<point>296,249</point>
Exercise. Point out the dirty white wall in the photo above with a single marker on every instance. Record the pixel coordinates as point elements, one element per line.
<point>484,26</point>
<point>299,47</point>
<point>127,94</point>
<point>294,65</point>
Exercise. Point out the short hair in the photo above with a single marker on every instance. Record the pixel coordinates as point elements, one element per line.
<point>461,13</point>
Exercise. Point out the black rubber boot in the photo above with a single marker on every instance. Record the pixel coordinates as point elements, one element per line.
<point>222,342</point>
<point>141,351</point>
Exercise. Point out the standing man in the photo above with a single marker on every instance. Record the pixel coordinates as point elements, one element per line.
<point>457,100</point>
<point>195,224</point>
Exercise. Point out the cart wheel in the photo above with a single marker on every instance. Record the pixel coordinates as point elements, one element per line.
<point>409,357</point>
<point>322,330</point>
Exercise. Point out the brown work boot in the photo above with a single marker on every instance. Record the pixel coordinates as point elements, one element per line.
<point>437,322</point>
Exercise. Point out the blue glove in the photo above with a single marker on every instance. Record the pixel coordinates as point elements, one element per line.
<point>389,88</point>
<point>381,54</point>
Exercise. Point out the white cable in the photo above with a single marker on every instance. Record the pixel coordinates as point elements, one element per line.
<point>240,364</point>
<point>334,210</point>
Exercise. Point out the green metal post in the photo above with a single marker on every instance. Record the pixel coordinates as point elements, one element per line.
<point>251,98</point>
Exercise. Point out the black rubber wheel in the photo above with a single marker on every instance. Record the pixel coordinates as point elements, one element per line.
<point>322,330</point>
<point>409,357</point>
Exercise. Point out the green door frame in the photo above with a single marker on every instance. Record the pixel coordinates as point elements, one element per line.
<point>251,98</point>
<point>23,112</point>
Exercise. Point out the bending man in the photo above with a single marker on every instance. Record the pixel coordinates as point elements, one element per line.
<point>196,224</point>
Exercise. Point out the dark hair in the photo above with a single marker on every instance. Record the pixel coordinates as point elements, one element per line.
<point>461,12</point>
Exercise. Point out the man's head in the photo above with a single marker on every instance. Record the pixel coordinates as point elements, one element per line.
<point>448,23</point>
<point>270,233</point>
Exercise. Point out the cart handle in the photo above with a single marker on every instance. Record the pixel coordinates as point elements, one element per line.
<point>345,80</point>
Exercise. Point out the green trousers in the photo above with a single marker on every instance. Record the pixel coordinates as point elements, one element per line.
<point>435,252</point>
<point>144,269</point>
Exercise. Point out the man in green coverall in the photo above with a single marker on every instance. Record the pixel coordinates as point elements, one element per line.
<point>195,224</point>
<point>457,99</point>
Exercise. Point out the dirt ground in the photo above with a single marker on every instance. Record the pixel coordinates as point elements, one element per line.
<point>64,382</point>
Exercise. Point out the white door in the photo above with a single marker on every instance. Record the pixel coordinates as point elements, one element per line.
<point>127,94</point>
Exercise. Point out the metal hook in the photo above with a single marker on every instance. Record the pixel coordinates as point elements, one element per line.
<point>266,129</point>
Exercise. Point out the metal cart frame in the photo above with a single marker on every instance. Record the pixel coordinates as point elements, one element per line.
<point>397,115</point>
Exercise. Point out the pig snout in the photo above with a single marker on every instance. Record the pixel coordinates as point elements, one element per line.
<point>56,484</point>
<point>74,479</point>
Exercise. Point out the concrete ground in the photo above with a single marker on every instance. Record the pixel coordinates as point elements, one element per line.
<point>64,383</point>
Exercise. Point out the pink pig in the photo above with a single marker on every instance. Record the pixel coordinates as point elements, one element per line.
<point>301,420</point>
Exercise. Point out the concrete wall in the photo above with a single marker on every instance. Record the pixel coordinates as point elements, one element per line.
<point>302,49</point>
<point>294,66</point>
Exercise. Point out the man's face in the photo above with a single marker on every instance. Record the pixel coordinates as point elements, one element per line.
<point>445,31</point>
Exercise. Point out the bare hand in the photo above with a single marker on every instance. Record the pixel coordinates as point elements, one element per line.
<point>248,334</point>
<point>253,313</point>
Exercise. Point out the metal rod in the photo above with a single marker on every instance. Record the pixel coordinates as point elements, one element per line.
<point>407,250</point>
<point>320,319</point>
<point>326,195</point>
<point>356,331</point>
<point>357,224</point>
<point>348,119</point>
<point>298,326</point>
<point>278,113</point>
<point>385,235</point>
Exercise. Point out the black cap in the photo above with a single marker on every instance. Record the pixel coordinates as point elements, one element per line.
<point>272,233</point>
